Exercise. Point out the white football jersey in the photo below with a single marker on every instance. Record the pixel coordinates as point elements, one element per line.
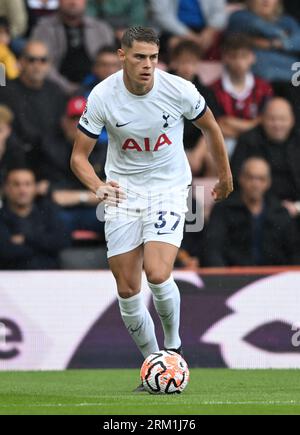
<point>145,133</point>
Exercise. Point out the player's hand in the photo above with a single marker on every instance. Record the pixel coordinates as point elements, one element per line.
<point>222,189</point>
<point>110,194</point>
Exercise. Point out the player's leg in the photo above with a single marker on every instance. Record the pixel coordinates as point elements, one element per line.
<point>159,258</point>
<point>127,270</point>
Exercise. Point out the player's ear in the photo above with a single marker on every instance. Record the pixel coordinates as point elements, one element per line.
<point>121,54</point>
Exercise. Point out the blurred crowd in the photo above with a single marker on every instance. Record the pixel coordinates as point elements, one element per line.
<point>244,59</point>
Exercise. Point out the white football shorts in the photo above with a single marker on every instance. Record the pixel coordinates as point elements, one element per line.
<point>140,219</point>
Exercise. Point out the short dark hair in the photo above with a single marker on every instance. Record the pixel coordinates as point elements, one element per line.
<point>140,34</point>
<point>189,47</point>
<point>236,41</point>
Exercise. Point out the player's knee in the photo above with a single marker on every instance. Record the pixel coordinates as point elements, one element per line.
<point>126,293</point>
<point>126,288</point>
<point>158,276</point>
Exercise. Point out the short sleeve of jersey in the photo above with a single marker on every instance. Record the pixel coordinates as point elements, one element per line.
<point>91,121</point>
<point>194,105</point>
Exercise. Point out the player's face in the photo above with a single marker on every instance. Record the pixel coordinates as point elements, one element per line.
<point>20,188</point>
<point>139,63</point>
<point>255,180</point>
<point>239,62</point>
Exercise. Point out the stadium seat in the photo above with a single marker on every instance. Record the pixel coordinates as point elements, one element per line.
<point>84,258</point>
<point>84,235</point>
<point>83,238</point>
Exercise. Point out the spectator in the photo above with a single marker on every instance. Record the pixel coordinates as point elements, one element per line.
<point>31,233</point>
<point>185,58</point>
<point>185,63</point>
<point>278,142</point>
<point>119,14</point>
<point>7,58</point>
<point>78,206</point>
<point>185,261</point>
<point>10,150</point>
<point>189,254</point>
<point>196,20</point>
<point>251,228</point>
<point>15,13</point>
<point>241,95</point>
<point>275,37</point>
<point>73,40</point>
<point>37,103</point>
<point>106,63</point>
<point>38,9</point>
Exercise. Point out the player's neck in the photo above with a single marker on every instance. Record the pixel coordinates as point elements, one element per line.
<point>137,88</point>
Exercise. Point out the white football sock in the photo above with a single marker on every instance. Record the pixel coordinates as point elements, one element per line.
<point>139,323</point>
<point>166,299</point>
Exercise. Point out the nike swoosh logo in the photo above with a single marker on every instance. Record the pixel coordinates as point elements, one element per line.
<point>161,234</point>
<point>122,125</point>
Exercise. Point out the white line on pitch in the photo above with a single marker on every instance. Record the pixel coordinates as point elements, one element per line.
<point>61,405</point>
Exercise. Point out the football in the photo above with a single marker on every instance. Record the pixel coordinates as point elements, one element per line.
<point>165,372</point>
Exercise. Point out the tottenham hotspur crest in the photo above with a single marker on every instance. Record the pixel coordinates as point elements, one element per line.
<point>165,118</point>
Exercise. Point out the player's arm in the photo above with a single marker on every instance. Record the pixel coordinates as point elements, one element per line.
<point>215,141</point>
<point>84,171</point>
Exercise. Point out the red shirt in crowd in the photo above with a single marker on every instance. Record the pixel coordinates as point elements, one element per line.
<point>245,105</point>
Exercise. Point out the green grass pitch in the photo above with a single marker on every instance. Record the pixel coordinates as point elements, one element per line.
<point>106,392</point>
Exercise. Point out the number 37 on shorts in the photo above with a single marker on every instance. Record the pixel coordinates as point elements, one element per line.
<point>167,222</point>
